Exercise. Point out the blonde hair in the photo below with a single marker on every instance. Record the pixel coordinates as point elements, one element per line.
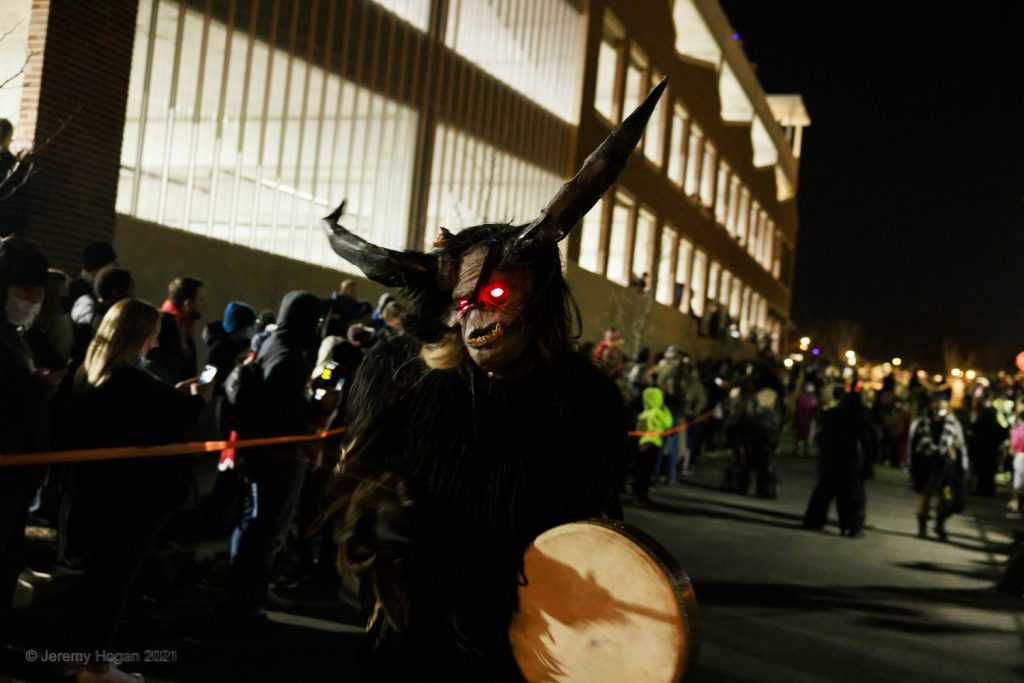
<point>118,341</point>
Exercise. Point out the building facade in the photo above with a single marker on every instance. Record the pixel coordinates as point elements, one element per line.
<point>212,135</point>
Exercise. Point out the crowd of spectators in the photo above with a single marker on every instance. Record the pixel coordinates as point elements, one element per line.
<point>85,365</point>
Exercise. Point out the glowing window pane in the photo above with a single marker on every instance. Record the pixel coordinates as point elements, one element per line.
<point>617,242</point>
<point>666,285</point>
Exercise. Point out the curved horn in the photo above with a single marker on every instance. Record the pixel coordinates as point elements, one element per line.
<point>599,171</point>
<point>386,266</point>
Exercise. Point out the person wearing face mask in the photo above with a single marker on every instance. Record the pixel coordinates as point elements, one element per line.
<point>24,409</point>
<point>123,504</point>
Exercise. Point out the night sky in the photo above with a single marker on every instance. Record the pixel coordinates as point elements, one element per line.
<point>911,195</point>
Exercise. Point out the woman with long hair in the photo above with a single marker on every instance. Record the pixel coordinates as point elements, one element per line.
<point>125,503</point>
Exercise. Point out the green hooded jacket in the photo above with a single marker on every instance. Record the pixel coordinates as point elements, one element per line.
<point>655,416</point>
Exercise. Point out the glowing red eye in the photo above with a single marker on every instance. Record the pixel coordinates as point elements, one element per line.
<point>494,295</point>
<point>463,305</point>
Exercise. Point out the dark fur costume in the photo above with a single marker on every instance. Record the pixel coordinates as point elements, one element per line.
<point>452,470</point>
<point>484,468</point>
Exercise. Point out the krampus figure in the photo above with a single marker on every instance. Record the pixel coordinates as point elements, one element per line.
<point>474,432</point>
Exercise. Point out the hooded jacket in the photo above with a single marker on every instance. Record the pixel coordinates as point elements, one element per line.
<point>654,418</point>
<point>287,359</point>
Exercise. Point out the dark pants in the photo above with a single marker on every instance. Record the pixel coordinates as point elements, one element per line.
<point>121,538</point>
<point>755,458</point>
<point>845,485</point>
<point>17,489</point>
<point>273,481</point>
<point>646,460</point>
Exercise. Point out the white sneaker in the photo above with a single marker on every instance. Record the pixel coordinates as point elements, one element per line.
<point>23,593</point>
<point>112,675</point>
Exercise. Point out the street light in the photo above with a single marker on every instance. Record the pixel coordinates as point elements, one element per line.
<point>897,361</point>
<point>956,372</point>
<point>788,363</point>
<point>971,374</point>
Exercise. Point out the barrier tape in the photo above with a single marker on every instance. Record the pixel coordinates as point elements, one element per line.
<point>678,428</point>
<point>125,452</point>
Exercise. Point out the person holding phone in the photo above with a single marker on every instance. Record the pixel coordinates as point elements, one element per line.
<point>126,502</point>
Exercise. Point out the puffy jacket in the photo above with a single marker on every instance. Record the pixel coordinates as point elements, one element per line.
<point>655,416</point>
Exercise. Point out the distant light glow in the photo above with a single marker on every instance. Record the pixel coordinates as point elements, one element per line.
<point>971,374</point>
<point>897,361</point>
<point>788,363</point>
<point>937,378</point>
<point>735,36</point>
<point>815,351</point>
<point>956,372</point>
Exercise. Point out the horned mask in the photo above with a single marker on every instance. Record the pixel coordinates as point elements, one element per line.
<point>491,276</point>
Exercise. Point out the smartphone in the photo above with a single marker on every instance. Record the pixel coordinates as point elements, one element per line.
<point>207,375</point>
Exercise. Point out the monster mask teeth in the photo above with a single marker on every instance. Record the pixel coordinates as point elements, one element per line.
<point>487,338</point>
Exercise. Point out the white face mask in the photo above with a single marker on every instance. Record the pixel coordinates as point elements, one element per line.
<point>21,312</point>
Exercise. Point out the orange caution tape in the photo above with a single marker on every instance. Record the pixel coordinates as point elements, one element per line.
<point>124,452</point>
<point>678,428</point>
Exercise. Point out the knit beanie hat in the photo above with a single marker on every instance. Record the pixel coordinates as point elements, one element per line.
<point>238,315</point>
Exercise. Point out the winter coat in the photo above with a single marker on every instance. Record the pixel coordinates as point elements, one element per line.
<point>287,359</point>
<point>134,408</point>
<point>654,418</point>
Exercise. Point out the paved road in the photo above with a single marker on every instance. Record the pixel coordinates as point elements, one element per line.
<point>778,603</point>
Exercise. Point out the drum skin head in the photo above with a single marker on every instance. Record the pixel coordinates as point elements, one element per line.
<point>603,602</point>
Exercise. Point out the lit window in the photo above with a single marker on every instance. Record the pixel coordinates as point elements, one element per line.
<point>713,276</point>
<point>708,175</point>
<point>747,312</point>
<point>666,260</point>
<point>607,69</point>
<point>722,193</point>
<point>654,135</point>
<point>777,263</point>
<point>618,240</point>
<point>700,261</point>
<point>682,274</point>
<point>743,216</point>
<point>754,243</point>
<point>642,245</point>
<point>733,207</point>
<point>634,91</point>
<point>694,153</point>
<point>504,44</point>
<point>590,238</point>
<point>677,146</point>
<point>723,294</point>
<point>735,299</point>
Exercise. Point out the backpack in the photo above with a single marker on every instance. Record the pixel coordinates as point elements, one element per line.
<point>243,399</point>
